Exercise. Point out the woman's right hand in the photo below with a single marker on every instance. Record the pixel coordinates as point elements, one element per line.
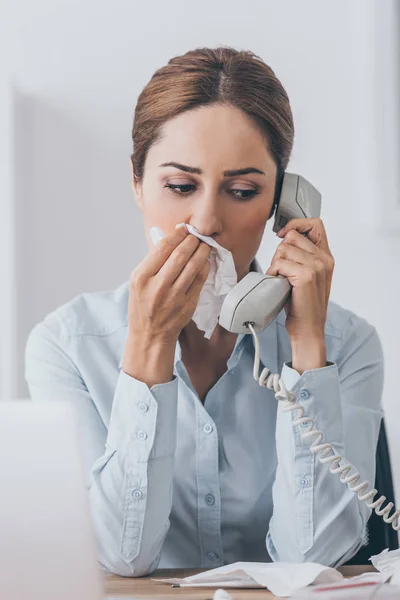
<point>163,294</point>
<point>166,285</point>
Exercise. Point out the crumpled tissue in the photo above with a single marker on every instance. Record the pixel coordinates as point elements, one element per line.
<point>281,578</point>
<point>387,563</point>
<point>222,277</point>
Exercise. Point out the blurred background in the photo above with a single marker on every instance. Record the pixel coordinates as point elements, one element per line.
<point>70,75</point>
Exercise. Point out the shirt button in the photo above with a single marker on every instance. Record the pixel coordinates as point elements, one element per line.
<point>137,494</point>
<point>143,407</point>
<point>142,435</point>
<point>303,481</point>
<point>213,556</point>
<point>304,394</point>
<point>304,424</point>
<point>207,428</point>
<point>210,499</point>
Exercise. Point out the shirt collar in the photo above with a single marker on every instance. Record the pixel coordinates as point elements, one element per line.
<point>268,339</point>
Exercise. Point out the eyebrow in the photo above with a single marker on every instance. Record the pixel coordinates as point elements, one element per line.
<point>197,171</point>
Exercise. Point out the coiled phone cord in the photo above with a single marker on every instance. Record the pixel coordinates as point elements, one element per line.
<point>323,450</point>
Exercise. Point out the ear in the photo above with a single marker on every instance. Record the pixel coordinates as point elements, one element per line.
<point>137,187</point>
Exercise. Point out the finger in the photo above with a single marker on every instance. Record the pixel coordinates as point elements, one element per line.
<point>296,273</point>
<point>295,254</point>
<point>295,238</point>
<point>191,268</point>
<point>314,228</point>
<point>300,256</point>
<point>153,262</point>
<point>177,260</point>
<point>194,290</point>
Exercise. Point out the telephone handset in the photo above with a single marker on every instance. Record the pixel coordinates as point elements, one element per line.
<point>257,297</point>
<point>251,306</point>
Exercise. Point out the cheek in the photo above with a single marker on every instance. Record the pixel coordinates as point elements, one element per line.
<point>159,205</point>
<point>158,212</point>
<point>156,209</point>
<point>252,227</point>
<point>162,217</point>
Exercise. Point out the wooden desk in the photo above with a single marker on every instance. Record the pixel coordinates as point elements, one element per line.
<point>144,587</point>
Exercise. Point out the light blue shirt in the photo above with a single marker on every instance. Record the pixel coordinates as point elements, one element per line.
<point>175,483</point>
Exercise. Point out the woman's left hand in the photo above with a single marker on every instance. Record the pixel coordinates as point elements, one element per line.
<point>308,264</point>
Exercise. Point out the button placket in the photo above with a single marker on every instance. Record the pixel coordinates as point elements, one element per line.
<point>208,496</point>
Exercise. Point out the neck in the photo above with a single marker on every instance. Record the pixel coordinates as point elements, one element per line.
<point>192,338</point>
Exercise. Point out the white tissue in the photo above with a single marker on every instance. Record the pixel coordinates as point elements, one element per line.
<point>156,234</point>
<point>221,594</point>
<point>281,578</point>
<point>387,563</point>
<point>222,277</point>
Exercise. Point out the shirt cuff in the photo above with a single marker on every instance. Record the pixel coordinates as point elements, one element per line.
<point>143,420</point>
<point>290,376</point>
<point>318,392</point>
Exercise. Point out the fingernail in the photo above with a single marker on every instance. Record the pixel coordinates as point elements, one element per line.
<point>156,234</point>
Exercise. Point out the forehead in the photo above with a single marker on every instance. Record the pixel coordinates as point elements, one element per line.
<point>217,136</point>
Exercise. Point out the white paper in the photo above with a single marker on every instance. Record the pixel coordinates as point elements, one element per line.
<point>281,578</point>
<point>388,563</point>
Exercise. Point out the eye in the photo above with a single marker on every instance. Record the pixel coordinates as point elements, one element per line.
<point>247,193</point>
<point>183,189</point>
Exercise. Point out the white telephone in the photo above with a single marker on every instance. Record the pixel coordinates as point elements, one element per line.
<point>254,302</point>
<point>257,297</point>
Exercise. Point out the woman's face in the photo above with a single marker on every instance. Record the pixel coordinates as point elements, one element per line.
<point>231,208</point>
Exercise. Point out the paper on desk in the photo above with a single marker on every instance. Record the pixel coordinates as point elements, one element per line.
<point>388,563</point>
<point>281,578</point>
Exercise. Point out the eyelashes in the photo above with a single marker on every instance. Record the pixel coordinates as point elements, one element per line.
<point>174,187</point>
<point>184,189</point>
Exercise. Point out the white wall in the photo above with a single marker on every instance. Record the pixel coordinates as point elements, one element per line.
<point>78,68</point>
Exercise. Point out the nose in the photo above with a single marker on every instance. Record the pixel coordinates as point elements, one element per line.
<point>205,216</point>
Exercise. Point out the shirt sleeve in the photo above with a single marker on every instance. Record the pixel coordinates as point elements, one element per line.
<point>316,517</point>
<point>129,469</point>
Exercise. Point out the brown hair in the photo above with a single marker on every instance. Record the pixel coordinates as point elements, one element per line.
<point>207,76</point>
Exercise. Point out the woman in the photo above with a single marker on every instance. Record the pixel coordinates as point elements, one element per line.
<point>190,462</point>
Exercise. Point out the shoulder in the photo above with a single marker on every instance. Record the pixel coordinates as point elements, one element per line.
<point>349,327</point>
<point>90,313</point>
<point>342,322</point>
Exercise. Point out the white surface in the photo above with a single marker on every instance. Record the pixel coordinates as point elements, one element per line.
<point>78,68</point>
<point>46,545</point>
